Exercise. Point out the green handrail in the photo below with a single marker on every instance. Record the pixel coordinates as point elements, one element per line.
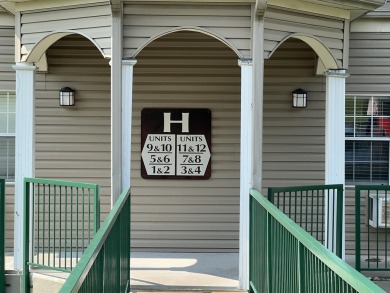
<point>316,208</point>
<point>2,235</point>
<point>285,258</point>
<point>60,219</point>
<point>105,265</point>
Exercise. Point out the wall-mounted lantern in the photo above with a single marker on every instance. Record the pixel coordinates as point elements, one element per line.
<point>299,98</point>
<point>67,96</point>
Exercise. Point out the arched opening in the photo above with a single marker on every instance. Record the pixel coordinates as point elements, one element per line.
<point>294,138</point>
<point>73,143</point>
<point>39,49</point>
<point>197,220</point>
<point>325,58</point>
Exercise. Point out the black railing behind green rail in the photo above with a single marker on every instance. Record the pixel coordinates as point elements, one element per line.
<point>60,220</point>
<point>105,265</point>
<point>318,209</point>
<point>372,204</point>
<point>285,258</point>
<point>2,235</point>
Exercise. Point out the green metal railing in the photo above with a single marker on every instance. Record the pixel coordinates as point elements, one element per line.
<point>2,235</point>
<point>318,209</point>
<point>105,265</point>
<point>285,258</point>
<point>372,204</point>
<point>60,219</point>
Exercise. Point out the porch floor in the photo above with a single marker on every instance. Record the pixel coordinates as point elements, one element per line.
<point>179,271</point>
<point>171,271</point>
<point>200,272</point>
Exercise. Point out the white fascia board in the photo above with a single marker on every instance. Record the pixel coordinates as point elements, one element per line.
<point>314,8</point>
<point>7,19</point>
<point>47,4</point>
<point>366,25</point>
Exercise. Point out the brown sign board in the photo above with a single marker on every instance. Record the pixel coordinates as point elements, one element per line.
<point>175,143</point>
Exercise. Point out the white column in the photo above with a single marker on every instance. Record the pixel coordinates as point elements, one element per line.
<point>127,110</point>
<point>258,97</point>
<point>116,106</point>
<point>335,126</point>
<point>335,132</point>
<point>24,148</point>
<point>246,168</point>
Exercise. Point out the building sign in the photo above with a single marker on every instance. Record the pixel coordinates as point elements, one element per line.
<point>176,143</point>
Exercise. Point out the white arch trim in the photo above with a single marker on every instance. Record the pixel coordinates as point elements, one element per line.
<point>193,29</point>
<point>317,45</point>
<point>44,43</point>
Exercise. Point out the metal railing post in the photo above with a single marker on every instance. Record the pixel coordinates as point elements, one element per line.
<point>26,239</point>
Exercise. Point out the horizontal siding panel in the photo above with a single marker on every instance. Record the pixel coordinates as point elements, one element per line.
<point>142,22</point>
<point>193,184</point>
<point>9,216</point>
<point>58,138</point>
<point>276,182</point>
<point>357,61</point>
<point>290,16</point>
<point>188,209</point>
<point>180,20</point>
<point>279,24</point>
<point>93,21</point>
<point>69,13</point>
<point>186,227</point>
<point>369,60</point>
<point>180,200</point>
<point>286,157</point>
<point>7,58</point>
<point>194,235</point>
<point>188,10</point>
<point>294,141</point>
<point>184,192</point>
<point>102,22</point>
<point>292,166</point>
<point>285,26</point>
<point>369,44</point>
<point>186,245</point>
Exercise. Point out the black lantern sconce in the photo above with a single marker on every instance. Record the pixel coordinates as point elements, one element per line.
<point>299,98</point>
<point>67,96</point>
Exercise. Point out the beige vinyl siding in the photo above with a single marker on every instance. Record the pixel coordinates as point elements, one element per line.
<point>279,24</point>
<point>294,139</point>
<point>7,83</point>
<point>91,20</point>
<point>189,70</point>
<point>350,221</point>
<point>73,143</point>
<point>142,22</point>
<point>369,62</point>
<point>369,69</point>
<point>9,216</point>
<point>7,73</point>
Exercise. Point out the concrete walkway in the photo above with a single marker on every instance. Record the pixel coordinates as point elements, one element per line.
<point>184,271</point>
